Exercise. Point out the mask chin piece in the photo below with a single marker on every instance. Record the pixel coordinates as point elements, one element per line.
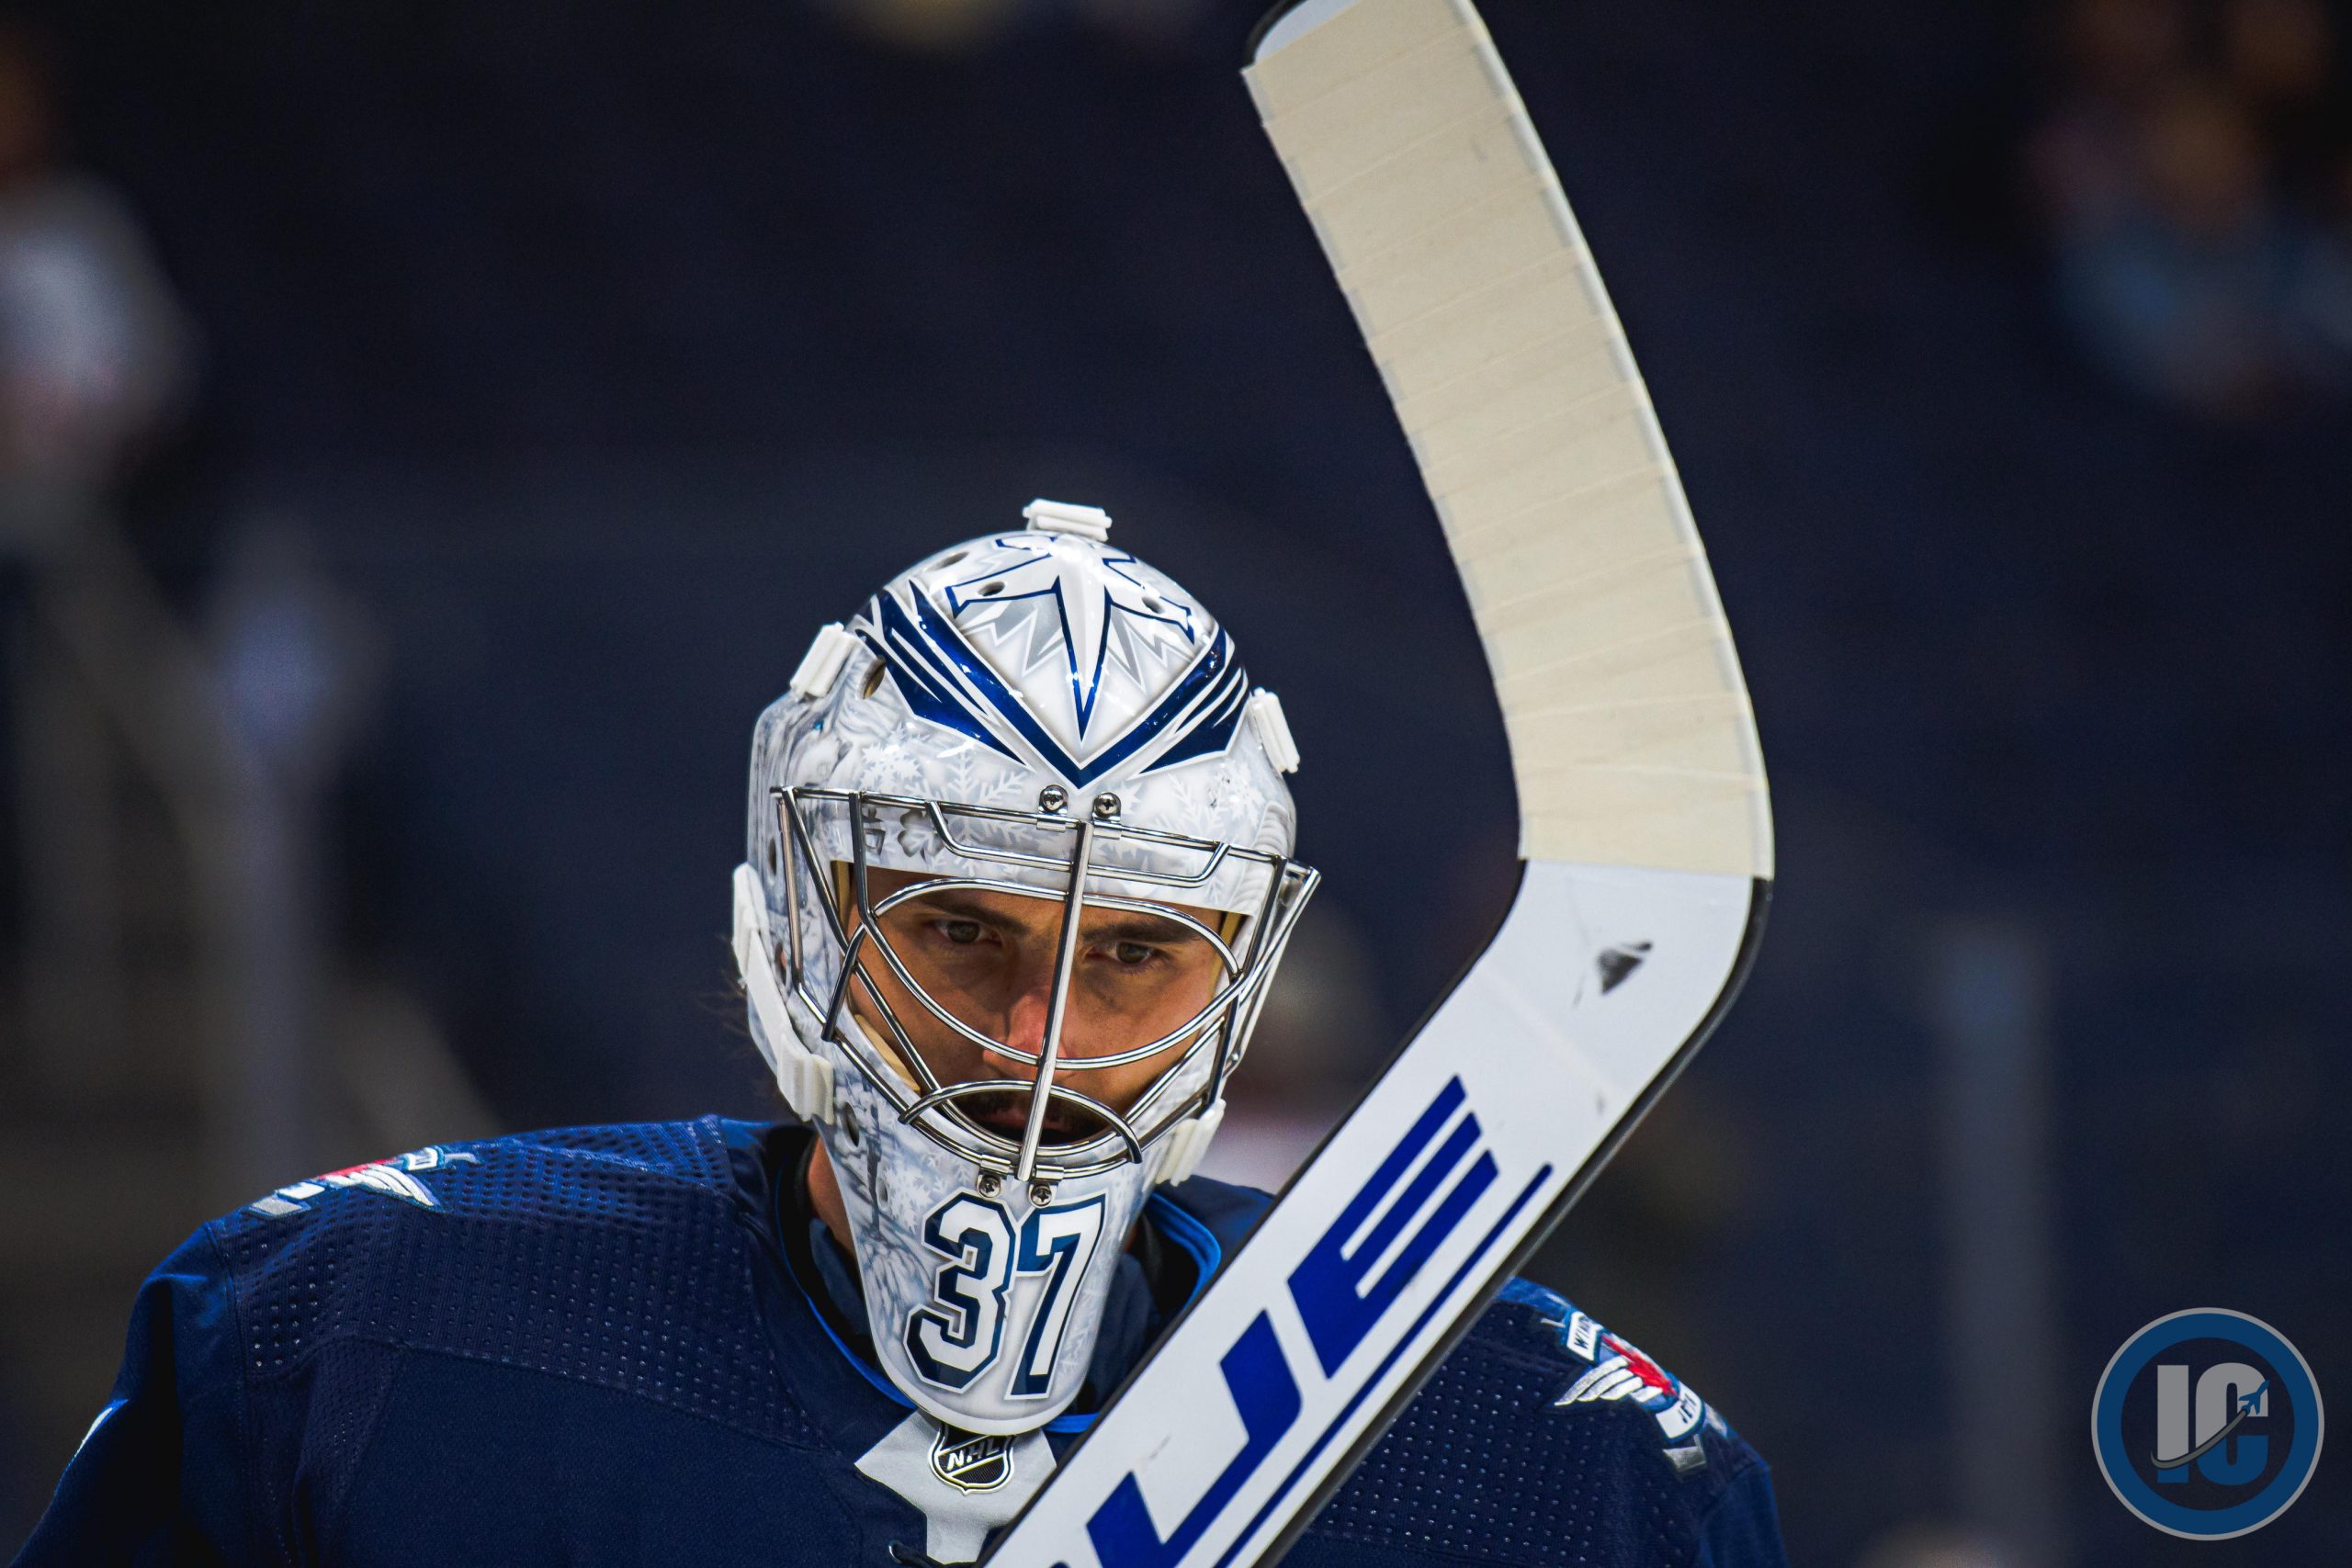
<point>1187,1141</point>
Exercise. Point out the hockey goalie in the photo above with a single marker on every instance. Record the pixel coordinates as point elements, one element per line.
<point>1020,875</point>
<point>1020,872</point>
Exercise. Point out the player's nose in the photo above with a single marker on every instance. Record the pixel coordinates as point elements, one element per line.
<point>1024,1029</point>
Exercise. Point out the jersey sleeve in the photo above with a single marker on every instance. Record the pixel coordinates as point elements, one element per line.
<point>1743,1528</point>
<point>159,1482</point>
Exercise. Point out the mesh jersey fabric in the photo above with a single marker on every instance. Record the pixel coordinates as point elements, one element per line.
<point>1485,1466</point>
<point>585,1347</point>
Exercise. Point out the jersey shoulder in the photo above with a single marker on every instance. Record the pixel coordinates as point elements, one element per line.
<point>1545,1437</point>
<point>1222,1208</point>
<point>619,1255</point>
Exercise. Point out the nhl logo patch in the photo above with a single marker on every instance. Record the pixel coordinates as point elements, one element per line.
<point>971,1462</point>
<point>963,1484</point>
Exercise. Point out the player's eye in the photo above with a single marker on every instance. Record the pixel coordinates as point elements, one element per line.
<point>959,934</point>
<point>1135,954</point>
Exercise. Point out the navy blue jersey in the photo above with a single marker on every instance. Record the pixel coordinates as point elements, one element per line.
<point>595,1346</point>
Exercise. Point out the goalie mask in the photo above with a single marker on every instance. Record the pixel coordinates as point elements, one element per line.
<point>1019,879</point>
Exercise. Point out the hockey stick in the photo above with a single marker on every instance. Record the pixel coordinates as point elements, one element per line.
<point>1645,828</point>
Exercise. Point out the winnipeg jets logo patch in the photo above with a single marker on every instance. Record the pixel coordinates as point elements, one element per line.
<point>1621,1373</point>
<point>394,1177</point>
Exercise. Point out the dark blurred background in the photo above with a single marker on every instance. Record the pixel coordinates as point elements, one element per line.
<point>430,433</point>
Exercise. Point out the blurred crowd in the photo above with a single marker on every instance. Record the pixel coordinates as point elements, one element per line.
<point>92,349</point>
<point>2194,177</point>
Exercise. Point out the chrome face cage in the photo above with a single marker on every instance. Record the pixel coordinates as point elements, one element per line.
<point>1224,1021</point>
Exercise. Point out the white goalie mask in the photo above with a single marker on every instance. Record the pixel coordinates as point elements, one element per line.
<point>1036,729</point>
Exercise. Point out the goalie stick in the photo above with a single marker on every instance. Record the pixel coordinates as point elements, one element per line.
<point>1645,828</point>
